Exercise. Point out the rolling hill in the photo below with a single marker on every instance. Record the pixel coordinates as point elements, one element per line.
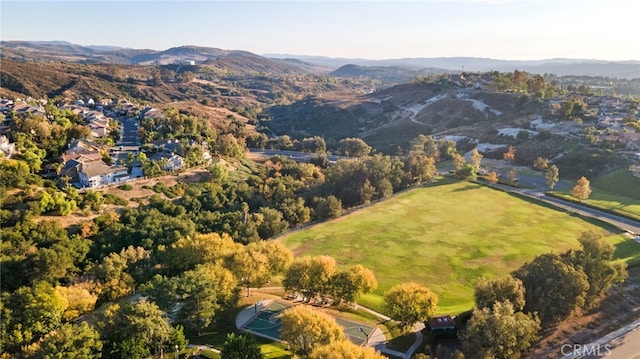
<point>60,51</point>
<point>561,67</point>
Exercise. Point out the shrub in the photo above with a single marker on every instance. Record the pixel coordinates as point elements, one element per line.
<point>126,187</point>
<point>117,200</point>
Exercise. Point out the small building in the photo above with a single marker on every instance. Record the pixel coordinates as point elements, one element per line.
<point>442,326</point>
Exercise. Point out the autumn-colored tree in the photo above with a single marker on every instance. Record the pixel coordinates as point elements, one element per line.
<point>79,299</point>
<point>541,163</point>
<point>420,167</point>
<point>582,189</point>
<point>188,252</point>
<point>510,155</point>
<point>204,291</point>
<point>409,303</point>
<point>552,176</point>
<point>305,329</point>
<point>476,159</point>
<point>353,147</point>
<point>311,275</point>
<point>344,349</point>
<point>491,177</point>
<point>256,263</point>
<point>458,160</point>
<point>350,284</point>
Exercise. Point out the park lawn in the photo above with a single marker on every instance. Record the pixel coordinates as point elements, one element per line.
<point>612,202</point>
<point>618,190</point>
<point>444,236</point>
<point>273,350</point>
<point>620,182</point>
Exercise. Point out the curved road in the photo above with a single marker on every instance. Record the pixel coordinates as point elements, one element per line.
<point>618,221</point>
<point>622,222</point>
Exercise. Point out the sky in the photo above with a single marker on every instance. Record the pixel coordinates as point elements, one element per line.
<point>499,29</point>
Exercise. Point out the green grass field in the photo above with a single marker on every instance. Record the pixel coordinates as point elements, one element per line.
<point>446,236</point>
<point>618,191</point>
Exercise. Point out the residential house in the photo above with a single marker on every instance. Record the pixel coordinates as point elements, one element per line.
<point>168,146</point>
<point>24,109</point>
<point>76,147</point>
<point>72,164</point>
<point>150,112</point>
<point>128,109</point>
<point>169,161</point>
<point>97,174</point>
<point>6,147</point>
<point>6,105</point>
<point>97,122</point>
<point>106,102</point>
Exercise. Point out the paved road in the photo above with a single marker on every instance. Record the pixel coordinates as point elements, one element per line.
<point>128,138</point>
<point>624,223</point>
<point>128,132</point>
<point>621,222</point>
<point>623,343</point>
<point>626,347</point>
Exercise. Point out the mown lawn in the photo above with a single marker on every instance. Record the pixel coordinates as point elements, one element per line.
<point>445,236</point>
<point>619,191</point>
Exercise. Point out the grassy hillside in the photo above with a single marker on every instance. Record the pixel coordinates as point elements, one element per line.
<point>446,236</point>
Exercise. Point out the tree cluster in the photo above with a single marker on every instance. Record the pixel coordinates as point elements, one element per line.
<point>315,335</point>
<point>318,279</point>
<point>511,310</point>
<point>520,81</point>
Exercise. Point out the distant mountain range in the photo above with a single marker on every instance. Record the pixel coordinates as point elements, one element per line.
<point>62,51</point>
<point>558,66</point>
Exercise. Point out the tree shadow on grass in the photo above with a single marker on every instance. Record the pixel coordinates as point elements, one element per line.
<point>468,187</point>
